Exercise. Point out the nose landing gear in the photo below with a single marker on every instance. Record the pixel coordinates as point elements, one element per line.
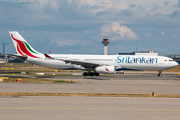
<point>160,73</point>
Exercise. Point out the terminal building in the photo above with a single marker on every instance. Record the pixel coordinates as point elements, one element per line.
<point>141,53</point>
<point>3,58</point>
<point>177,59</point>
<point>9,59</point>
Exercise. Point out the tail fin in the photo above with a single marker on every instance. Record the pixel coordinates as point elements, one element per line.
<point>22,47</point>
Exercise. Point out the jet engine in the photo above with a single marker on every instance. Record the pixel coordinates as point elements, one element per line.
<point>105,69</point>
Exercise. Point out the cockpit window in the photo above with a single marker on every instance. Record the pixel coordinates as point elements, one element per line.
<point>170,60</point>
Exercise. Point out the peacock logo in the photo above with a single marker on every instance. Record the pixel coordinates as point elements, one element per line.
<point>106,69</point>
<point>23,48</point>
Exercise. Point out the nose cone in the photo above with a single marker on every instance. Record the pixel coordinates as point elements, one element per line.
<point>175,64</point>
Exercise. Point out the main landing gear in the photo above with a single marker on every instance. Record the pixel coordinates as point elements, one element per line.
<point>160,73</point>
<point>90,74</point>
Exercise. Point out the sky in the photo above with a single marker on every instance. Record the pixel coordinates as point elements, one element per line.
<point>79,26</point>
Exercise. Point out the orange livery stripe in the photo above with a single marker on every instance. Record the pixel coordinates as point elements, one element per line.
<point>19,51</point>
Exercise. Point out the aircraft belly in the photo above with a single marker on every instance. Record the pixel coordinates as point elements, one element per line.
<point>165,66</point>
<point>139,66</point>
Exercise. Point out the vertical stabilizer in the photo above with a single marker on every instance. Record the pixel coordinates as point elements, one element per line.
<point>22,47</point>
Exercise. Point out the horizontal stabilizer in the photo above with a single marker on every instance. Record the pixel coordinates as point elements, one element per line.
<point>22,57</point>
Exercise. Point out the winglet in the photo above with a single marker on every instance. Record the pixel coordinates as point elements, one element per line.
<point>46,55</point>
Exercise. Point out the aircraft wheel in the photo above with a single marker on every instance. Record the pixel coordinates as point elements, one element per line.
<point>85,74</point>
<point>160,73</point>
<point>96,74</point>
<point>91,74</point>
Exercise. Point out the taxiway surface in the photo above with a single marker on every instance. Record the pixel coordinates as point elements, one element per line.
<point>167,84</point>
<point>88,108</point>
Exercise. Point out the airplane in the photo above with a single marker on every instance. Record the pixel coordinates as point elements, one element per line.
<point>92,64</point>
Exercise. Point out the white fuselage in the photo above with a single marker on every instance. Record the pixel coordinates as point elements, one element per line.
<point>121,62</point>
<point>107,64</point>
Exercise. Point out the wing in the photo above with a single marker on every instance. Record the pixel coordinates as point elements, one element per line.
<point>86,64</point>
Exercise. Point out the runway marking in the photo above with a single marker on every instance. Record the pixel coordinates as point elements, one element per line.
<point>84,109</point>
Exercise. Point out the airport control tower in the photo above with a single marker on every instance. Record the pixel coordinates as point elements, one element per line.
<point>105,42</point>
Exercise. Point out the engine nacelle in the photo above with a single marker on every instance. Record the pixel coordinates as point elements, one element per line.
<point>105,69</point>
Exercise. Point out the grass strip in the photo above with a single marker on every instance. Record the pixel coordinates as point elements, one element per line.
<point>86,94</point>
<point>16,64</point>
<point>33,80</point>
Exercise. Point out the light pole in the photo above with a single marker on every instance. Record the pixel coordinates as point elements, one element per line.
<point>4,46</point>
